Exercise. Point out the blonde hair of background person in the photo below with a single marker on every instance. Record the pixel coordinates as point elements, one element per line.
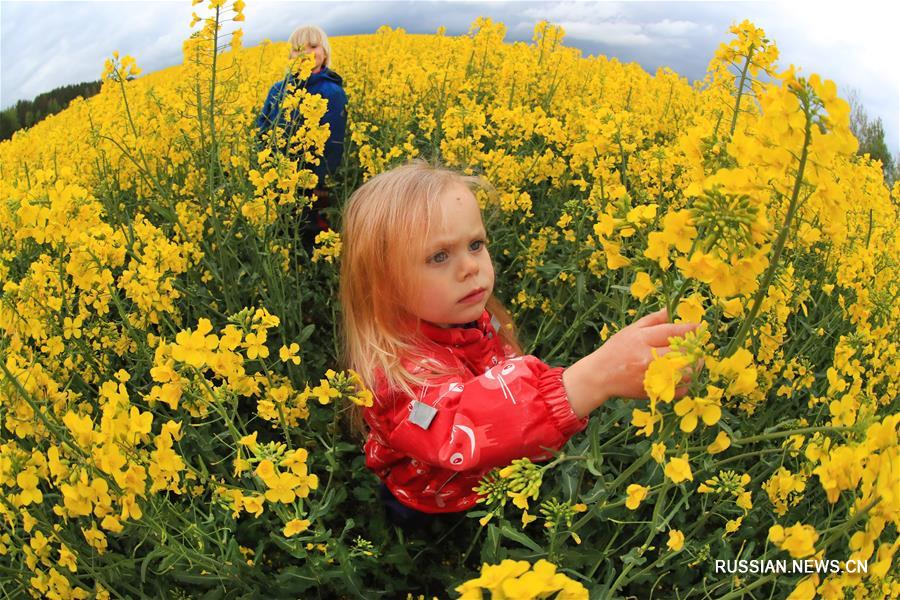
<point>311,37</point>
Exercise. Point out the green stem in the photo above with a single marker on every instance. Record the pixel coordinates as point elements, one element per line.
<point>640,462</point>
<point>213,153</point>
<point>657,509</point>
<point>767,436</point>
<point>779,244</point>
<point>740,94</point>
<point>780,434</point>
<point>575,327</point>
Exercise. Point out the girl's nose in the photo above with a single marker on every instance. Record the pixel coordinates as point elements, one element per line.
<point>469,266</point>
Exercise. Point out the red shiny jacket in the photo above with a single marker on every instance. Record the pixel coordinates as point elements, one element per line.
<point>497,408</point>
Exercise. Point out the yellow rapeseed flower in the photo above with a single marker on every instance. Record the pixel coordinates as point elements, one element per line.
<point>676,540</point>
<point>798,540</point>
<point>720,444</point>
<point>324,393</point>
<point>636,493</point>
<point>295,526</point>
<point>658,452</point>
<point>678,469</point>
<point>289,353</point>
<point>689,409</point>
<point>643,286</point>
<point>644,421</point>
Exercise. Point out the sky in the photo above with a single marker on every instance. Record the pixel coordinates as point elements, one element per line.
<point>45,44</point>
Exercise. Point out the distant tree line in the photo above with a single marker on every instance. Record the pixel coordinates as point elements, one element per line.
<point>870,134</point>
<point>26,113</point>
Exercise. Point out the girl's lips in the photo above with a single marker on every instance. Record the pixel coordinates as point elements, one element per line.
<point>473,297</point>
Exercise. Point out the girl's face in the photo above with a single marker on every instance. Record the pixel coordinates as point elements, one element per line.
<point>455,270</point>
<point>316,50</point>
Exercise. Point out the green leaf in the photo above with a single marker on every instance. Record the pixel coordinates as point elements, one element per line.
<point>146,562</point>
<point>363,494</point>
<point>633,558</point>
<point>168,563</point>
<point>595,493</point>
<point>569,484</point>
<point>491,544</point>
<point>294,580</point>
<point>305,333</point>
<point>518,536</point>
<point>214,594</point>
<point>593,465</point>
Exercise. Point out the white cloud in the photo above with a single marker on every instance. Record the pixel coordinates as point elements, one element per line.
<point>671,28</point>
<point>586,12</point>
<point>612,33</point>
<point>49,44</point>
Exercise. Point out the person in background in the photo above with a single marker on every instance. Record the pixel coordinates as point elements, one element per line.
<point>324,82</point>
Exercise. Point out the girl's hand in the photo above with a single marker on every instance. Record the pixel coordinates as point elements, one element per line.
<point>617,367</point>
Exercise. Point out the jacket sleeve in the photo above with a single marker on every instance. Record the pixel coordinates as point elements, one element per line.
<point>336,117</point>
<point>269,113</point>
<point>516,409</point>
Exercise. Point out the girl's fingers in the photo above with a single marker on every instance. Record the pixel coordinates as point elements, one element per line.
<point>654,318</point>
<point>660,351</point>
<point>660,334</point>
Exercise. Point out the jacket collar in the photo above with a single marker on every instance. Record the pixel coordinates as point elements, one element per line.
<point>462,335</point>
<point>325,74</point>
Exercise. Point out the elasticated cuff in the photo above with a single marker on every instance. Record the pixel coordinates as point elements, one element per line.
<point>553,392</point>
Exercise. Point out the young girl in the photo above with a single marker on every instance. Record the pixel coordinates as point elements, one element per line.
<point>454,397</point>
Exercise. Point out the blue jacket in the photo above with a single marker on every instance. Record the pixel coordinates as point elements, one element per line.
<point>325,83</point>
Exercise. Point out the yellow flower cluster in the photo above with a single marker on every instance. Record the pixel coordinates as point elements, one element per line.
<point>120,69</point>
<point>212,366</point>
<point>283,472</point>
<point>731,483</point>
<point>520,580</point>
<point>347,385</point>
<point>523,480</point>
<point>798,540</point>
<point>784,489</point>
<point>328,246</point>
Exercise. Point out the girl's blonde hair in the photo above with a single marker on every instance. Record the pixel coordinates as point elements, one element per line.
<point>312,35</point>
<point>385,227</point>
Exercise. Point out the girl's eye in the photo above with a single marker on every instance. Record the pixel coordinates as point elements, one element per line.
<point>477,245</point>
<point>439,257</point>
